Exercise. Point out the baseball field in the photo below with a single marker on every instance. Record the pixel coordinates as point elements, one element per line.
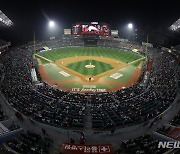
<point>90,69</point>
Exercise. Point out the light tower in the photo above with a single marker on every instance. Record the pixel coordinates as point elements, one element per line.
<point>130,26</point>
<point>130,30</point>
<point>52,28</point>
<point>51,24</point>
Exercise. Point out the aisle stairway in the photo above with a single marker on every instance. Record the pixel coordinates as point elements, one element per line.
<point>88,131</point>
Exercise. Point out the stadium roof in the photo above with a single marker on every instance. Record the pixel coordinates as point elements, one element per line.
<point>175,26</point>
<point>4,20</point>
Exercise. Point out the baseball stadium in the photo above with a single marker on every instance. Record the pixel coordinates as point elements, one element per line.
<point>89,90</point>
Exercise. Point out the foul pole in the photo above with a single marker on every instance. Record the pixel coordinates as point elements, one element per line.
<point>147,44</point>
<point>34,42</point>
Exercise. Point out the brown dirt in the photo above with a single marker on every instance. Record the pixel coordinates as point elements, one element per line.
<point>98,79</point>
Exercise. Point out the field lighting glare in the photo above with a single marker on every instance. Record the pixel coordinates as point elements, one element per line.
<point>51,24</point>
<point>130,26</point>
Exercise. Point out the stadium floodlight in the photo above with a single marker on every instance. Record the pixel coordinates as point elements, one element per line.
<point>130,25</point>
<point>51,24</point>
<point>130,31</point>
<point>175,26</point>
<point>52,29</point>
<point>4,19</point>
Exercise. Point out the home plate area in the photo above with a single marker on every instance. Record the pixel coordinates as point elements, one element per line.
<point>116,75</point>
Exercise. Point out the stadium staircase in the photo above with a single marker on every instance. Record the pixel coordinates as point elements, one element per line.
<point>88,131</point>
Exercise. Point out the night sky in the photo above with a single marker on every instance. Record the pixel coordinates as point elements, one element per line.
<point>29,16</point>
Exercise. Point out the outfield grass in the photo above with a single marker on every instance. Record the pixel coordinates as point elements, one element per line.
<point>114,53</point>
<point>100,67</point>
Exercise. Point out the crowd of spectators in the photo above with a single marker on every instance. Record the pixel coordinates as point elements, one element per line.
<point>176,120</point>
<point>2,114</point>
<point>64,41</point>
<point>4,45</point>
<point>141,145</point>
<point>30,143</point>
<point>120,44</point>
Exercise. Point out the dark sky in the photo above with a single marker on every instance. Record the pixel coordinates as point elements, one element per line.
<point>29,16</point>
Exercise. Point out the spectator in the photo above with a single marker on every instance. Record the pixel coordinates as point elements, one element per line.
<point>44,131</point>
<point>82,141</point>
<point>72,141</point>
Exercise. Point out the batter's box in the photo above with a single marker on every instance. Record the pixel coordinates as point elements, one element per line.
<point>116,75</point>
<point>64,73</point>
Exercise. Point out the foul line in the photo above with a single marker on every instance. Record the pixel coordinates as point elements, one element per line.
<point>137,60</point>
<point>44,58</point>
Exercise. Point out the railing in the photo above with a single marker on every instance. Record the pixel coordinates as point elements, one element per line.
<point>6,135</point>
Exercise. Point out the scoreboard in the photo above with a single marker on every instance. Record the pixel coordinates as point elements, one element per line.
<point>101,29</point>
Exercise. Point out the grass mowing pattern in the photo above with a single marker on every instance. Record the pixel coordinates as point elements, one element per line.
<point>100,67</point>
<point>124,56</point>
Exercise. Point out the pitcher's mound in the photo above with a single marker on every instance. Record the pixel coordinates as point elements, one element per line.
<point>90,66</point>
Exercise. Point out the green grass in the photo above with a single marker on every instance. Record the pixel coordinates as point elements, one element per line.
<point>79,67</point>
<point>118,54</point>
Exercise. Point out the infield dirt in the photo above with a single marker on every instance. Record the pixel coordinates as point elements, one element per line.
<point>115,63</point>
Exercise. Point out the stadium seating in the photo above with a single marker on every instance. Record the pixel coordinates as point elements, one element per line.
<point>29,143</point>
<point>176,120</point>
<point>141,145</point>
<point>125,107</point>
<point>2,114</point>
